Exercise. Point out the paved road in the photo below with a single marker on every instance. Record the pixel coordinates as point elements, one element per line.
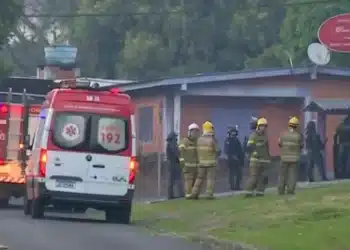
<point>74,232</point>
<point>54,233</point>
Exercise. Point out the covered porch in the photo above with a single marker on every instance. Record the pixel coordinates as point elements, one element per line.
<point>328,114</point>
<point>230,104</point>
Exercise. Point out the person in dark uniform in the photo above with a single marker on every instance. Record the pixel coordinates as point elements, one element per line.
<point>235,158</point>
<point>175,172</point>
<point>314,148</point>
<point>341,149</point>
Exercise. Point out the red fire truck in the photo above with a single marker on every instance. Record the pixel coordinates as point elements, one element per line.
<point>16,121</point>
<point>19,109</point>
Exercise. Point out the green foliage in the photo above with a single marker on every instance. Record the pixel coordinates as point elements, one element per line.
<point>300,27</point>
<point>179,37</point>
<point>10,10</point>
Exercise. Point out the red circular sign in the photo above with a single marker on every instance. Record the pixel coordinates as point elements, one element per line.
<point>334,33</point>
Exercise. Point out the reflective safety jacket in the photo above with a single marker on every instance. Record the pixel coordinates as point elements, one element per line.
<point>207,150</point>
<point>291,144</point>
<point>259,145</point>
<point>188,152</point>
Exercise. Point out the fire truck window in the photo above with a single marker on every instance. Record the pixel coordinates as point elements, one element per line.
<point>69,130</point>
<point>111,134</point>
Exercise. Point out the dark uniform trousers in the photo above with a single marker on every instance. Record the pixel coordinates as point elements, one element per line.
<point>175,180</point>
<point>344,160</point>
<point>235,173</point>
<point>316,159</point>
<point>288,175</point>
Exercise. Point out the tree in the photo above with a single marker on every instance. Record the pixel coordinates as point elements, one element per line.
<point>190,37</point>
<point>10,10</point>
<point>298,30</point>
<point>32,34</point>
<point>101,39</point>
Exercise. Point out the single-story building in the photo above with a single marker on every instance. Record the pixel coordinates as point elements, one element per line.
<point>228,99</point>
<point>232,98</point>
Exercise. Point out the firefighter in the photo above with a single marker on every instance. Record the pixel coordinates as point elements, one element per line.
<point>252,126</point>
<point>235,158</point>
<point>258,147</point>
<point>208,152</point>
<point>314,147</point>
<point>291,144</point>
<point>188,157</point>
<point>342,145</point>
<point>173,166</point>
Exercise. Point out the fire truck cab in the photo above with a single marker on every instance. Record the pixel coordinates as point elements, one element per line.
<point>83,154</point>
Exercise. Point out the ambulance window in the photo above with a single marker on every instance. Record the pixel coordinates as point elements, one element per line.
<point>111,134</point>
<point>69,130</point>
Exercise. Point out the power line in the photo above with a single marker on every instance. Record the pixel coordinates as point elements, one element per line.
<point>103,14</point>
<point>155,13</point>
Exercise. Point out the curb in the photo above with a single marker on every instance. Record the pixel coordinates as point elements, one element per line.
<point>210,243</point>
<point>300,185</point>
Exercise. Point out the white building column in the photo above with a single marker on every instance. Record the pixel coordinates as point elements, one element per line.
<point>168,116</point>
<point>177,113</point>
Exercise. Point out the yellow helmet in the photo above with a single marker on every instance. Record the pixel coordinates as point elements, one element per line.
<point>294,121</point>
<point>261,121</point>
<point>207,127</point>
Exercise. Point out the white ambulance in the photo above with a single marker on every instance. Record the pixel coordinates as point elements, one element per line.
<point>84,153</point>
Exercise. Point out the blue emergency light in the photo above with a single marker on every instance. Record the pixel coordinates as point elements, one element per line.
<point>42,114</point>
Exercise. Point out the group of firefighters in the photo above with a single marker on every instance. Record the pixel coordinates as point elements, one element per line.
<point>195,157</point>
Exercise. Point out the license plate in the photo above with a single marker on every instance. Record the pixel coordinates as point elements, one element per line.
<point>65,184</point>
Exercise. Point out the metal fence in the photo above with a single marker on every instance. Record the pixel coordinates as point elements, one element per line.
<point>152,179</point>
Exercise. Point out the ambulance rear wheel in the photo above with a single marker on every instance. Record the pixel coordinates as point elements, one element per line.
<point>4,203</point>
<point>38,208</point>
<point>27,207</point>
<point>120,214</point>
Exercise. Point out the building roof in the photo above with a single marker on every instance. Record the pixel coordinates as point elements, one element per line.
<point>331,106</point>
<point>232,76</point>
<point>32,85</point>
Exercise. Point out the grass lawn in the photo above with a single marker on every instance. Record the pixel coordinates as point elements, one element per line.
<point>316,218</point>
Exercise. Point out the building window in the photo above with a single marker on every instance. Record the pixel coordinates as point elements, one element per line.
<point>145,124</point>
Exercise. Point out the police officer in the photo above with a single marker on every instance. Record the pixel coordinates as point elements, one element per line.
<point>208,152</point>
<point>189,158</point>
<point>174,170</point>
<point>258,147</point>
<point>291,144</point>
<point>342,149</point>
<point>314,147</point>
<point>235,158</point>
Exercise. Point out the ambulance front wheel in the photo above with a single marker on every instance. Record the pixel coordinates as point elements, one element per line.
<point>27,207</point>
<point>38,208</point>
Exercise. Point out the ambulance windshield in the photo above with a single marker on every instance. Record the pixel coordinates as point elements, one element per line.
<point>90,132</point>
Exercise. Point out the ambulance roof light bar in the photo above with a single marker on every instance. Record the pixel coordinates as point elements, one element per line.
<point>77,84</point>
